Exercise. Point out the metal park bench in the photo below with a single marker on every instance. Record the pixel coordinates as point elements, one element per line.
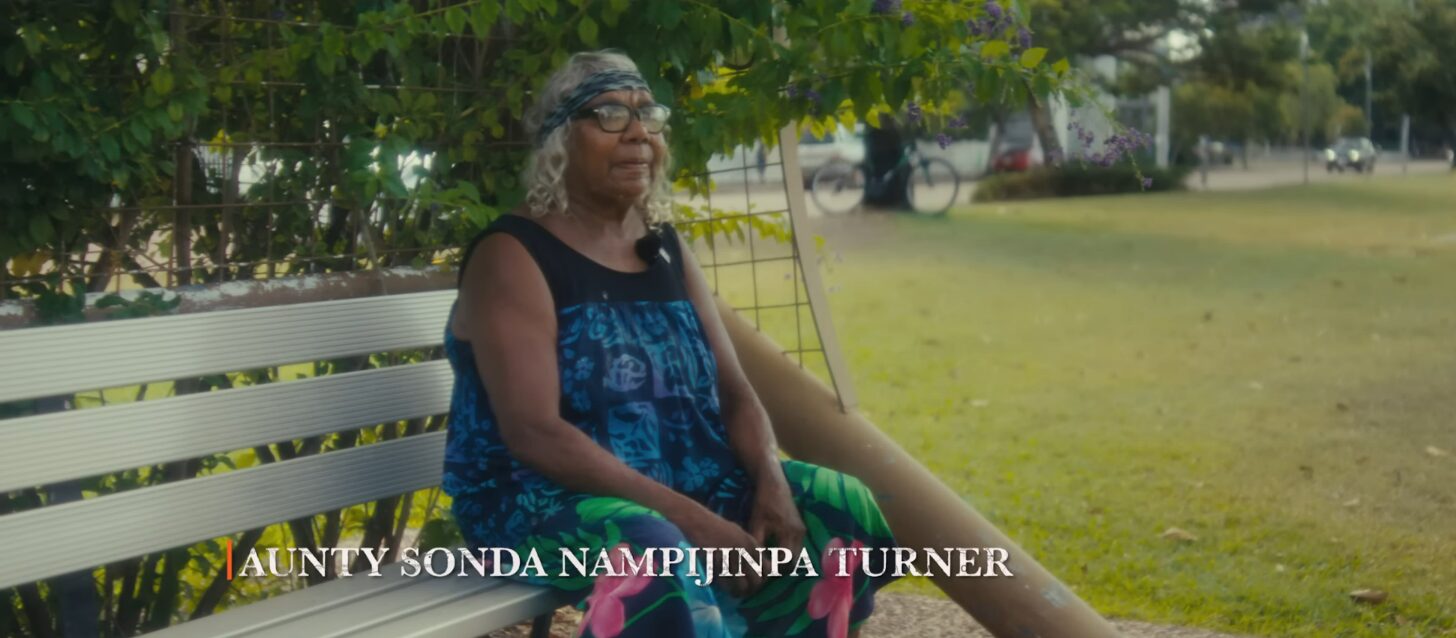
<point>57,540</point>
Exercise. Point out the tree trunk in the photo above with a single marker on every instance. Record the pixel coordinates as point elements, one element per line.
<point>113,254</point>
<point>128,616</point>
<point>1451,137</point>
<point>332,526</point>
<point>229,212</point>
<point>1046,132</point>
<point>883,148</point>
<point>74,594</point>
<point>998,129</point>
<point>379,526</point>
<point>32,606</point>
<point>182,220</point>
<point>220,583</point>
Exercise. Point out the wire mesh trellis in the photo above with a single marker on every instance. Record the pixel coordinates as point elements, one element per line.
<point>259,191</point>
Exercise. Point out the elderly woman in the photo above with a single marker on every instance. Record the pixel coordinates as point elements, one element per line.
<point>598,403</point>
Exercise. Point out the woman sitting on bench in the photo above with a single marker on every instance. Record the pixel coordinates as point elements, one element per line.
<point>598,403</point>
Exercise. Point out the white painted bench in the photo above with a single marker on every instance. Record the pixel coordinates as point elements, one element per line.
<point>55,540</point>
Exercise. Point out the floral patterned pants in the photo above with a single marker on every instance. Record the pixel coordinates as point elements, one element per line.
<point>838,511</point>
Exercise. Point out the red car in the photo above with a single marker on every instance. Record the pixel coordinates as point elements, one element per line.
<point>1012,161</point>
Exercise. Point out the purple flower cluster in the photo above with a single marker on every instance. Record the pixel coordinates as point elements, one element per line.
<point>958,122</point>
<point>1083,135</point>
<point>1115,147</point>
<point>891,7</point>
<point>809,95</point>
<point>943,140</point>
<point>912,112</point>
<point>995,22</point>
<point>1119,145</point>
<point>794,92</point>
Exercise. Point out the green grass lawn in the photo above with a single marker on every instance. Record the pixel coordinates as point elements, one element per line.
<point>1263,369</point>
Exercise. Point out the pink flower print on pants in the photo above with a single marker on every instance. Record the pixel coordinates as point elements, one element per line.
<point>834,594</point>
<point>605,615</point>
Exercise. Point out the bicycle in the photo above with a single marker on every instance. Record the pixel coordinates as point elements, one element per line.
<point>931,183</point>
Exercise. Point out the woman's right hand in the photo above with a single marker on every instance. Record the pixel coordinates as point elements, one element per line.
<point>705,529</point>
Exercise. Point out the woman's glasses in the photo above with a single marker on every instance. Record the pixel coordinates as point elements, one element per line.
<point>614,118</point>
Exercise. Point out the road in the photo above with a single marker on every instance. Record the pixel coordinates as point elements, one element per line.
<point>770,195</point>
<point>1283,173</point>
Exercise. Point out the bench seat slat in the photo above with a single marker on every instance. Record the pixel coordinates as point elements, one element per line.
<point>273,612</point>
<point>63,359</point>
<point>496,602</point>
<point>472,616</point>
<point>156,518</point>
<point>44,449</point>
<point>391,603</point>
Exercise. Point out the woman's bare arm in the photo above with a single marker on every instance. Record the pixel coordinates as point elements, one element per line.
<point>749,430</point>
<point>774,514</point>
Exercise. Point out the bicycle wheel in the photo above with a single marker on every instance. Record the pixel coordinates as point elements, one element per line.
<point>838,187</point>
<point>932,187</point>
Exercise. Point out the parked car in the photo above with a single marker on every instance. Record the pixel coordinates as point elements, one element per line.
<point>1016,160</point>
<point>841,144</point>
<point>1353,153</point>
<point>1216,152</point>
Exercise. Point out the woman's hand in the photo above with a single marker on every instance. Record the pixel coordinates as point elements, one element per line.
<point>705,529</point>
<point>774,514</point>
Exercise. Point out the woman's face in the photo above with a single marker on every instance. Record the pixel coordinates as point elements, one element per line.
<point>618,166</point>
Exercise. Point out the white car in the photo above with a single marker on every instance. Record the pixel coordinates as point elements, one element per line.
<point>840,144</point>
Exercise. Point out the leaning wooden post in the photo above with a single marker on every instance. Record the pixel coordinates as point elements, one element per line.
<point>921,510</point>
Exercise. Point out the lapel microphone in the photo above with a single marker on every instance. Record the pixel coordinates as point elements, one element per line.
<point>649,247</point>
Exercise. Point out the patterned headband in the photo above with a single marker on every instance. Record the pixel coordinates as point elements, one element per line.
<point>594,85</point>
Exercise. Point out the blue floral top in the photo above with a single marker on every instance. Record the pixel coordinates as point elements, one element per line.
<point>637,376</point>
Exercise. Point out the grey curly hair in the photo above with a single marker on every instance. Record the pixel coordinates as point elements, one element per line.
<point>545,172</point>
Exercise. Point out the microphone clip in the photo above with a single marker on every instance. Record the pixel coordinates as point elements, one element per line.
<point>649,247</point>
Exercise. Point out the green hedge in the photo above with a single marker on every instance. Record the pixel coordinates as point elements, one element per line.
<point>1074,180</point>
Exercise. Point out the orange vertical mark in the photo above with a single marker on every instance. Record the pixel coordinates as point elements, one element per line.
<point>229,558</point>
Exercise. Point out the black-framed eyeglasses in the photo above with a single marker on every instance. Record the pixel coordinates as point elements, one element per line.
<point>614,118</point>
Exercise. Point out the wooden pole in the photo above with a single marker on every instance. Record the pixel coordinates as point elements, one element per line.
<point>922,511</point>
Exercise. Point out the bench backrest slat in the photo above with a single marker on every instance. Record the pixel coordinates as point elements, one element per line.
<point>63,359</point>
<point>63,538</point>
<point>54,447</point>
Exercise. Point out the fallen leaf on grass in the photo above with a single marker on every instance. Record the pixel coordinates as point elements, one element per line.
<point>1352,502</point>
<point>1368,596</point>
<point>1435,451</point>
<point>1177,534</point>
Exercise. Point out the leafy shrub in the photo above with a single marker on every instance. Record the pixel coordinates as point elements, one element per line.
<point>1075,180</point>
